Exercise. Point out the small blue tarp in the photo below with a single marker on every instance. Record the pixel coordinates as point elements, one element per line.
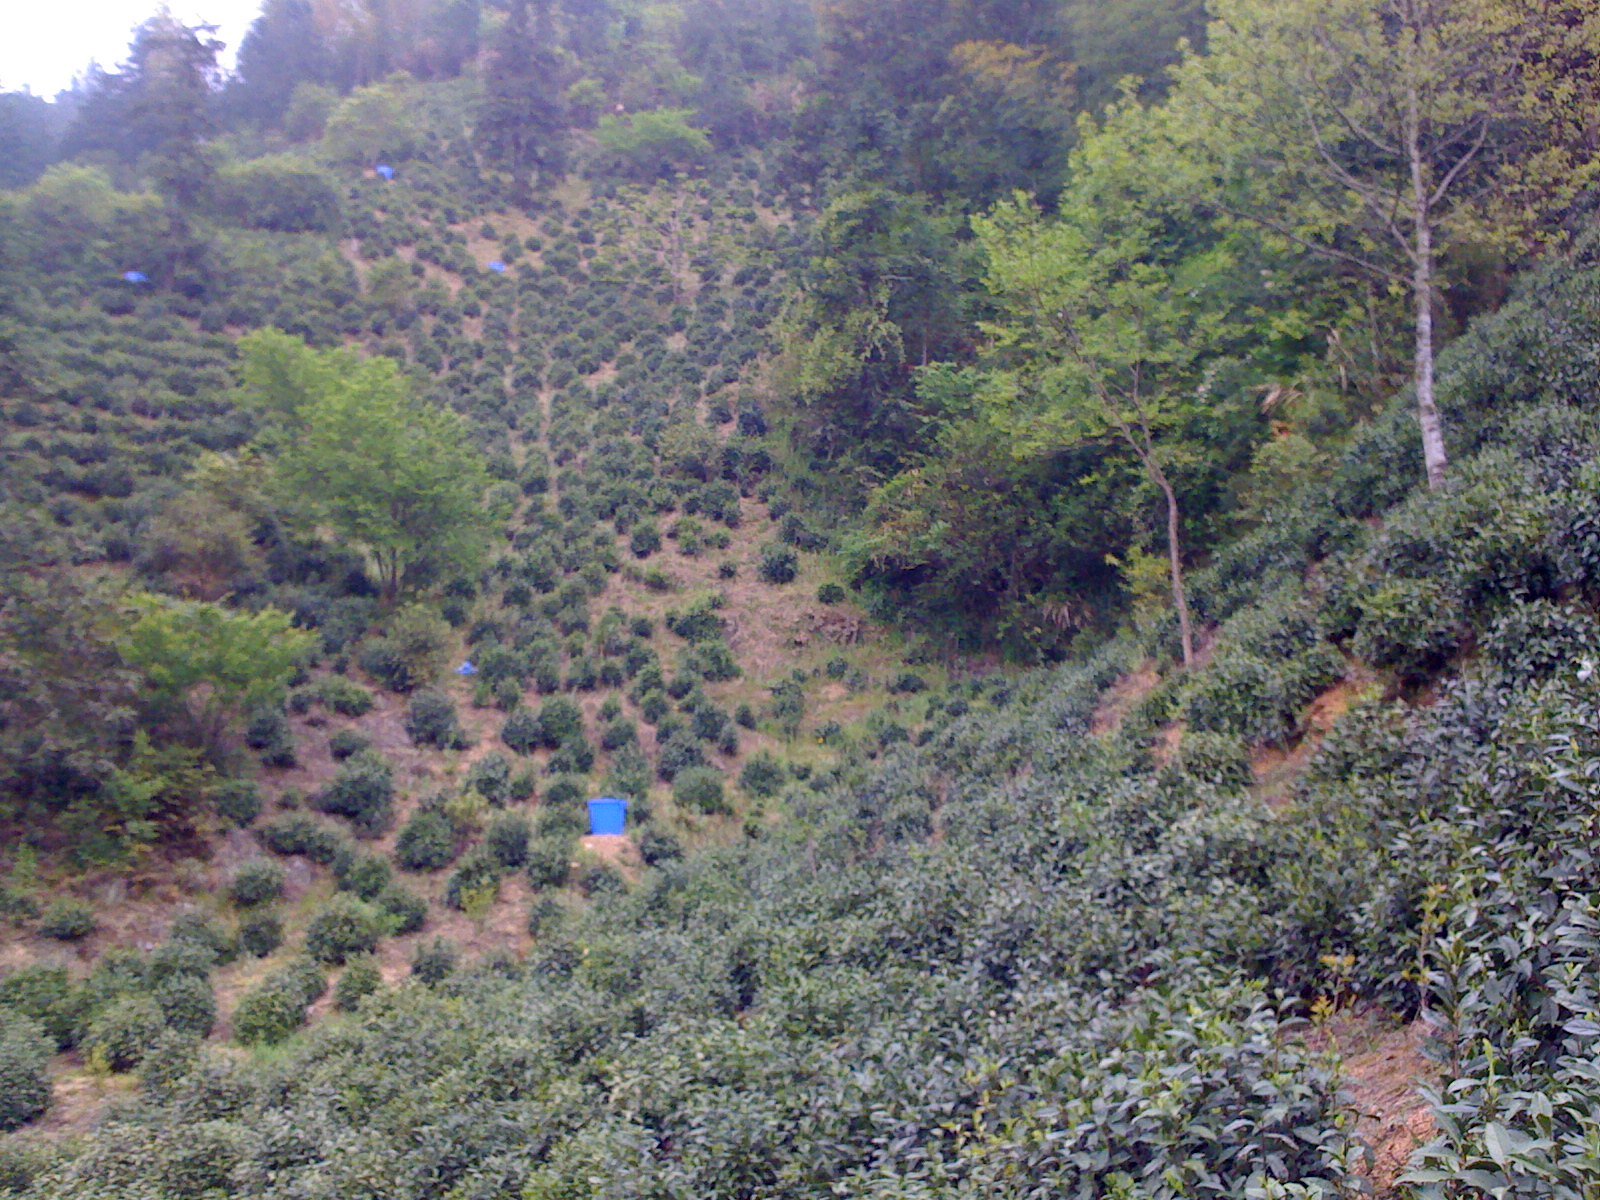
<point>608,817</point>
<point>467,668</point>
<point>135,277</point>
<point>385,170</point>
<point>498,267</point>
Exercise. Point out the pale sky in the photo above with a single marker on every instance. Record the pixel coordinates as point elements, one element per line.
<point>44,43</point>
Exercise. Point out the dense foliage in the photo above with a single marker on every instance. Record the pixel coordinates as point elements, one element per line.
<point>465,411</point>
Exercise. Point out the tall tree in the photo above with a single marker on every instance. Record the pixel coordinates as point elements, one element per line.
<point>1377,133</point>
<point>1105,316</point>
<point>395,476</point>
<point>522,124</point>
<point>282,50</point>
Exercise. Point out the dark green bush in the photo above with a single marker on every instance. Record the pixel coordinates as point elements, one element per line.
<point>490,777</point>
<point>301,835</point>
<point>507,839</point>
<point>67,920</point>
<point>549,862</point>
<point>477,875</point>
<point>359,980</point>
<point>427,841</point>
<point>260,934</point>
<point>762,776</point>
<point>122,1031</point>
<point>256,882</point>
<point>238,801</point>
<point>435,961</point>
<point>25,1052</point>
<point>268,732</point>
<point>363,791</point>
<point>431,721</point>
<point>364,875</point>
<point>344,927</point>
<point>778,564</point>
<point>188,1005</point>
<point>347,743</point>
<point>700,789</point>
<point>403,911</point>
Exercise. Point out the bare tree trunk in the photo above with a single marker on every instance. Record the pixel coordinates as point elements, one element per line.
<point>1422,288</point>
<point>1180,599</point>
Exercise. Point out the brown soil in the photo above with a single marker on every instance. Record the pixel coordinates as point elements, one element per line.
<point>1122,697</point>
<point>1383,1068</point>
<point>1276,769</point>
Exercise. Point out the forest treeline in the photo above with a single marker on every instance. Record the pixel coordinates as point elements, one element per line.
<point>1295,233</point>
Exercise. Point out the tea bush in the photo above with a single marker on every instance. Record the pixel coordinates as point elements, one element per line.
<point>345,926</point>
<point>25,1053</point>
<point>256,882</point>
<point>363,791</point>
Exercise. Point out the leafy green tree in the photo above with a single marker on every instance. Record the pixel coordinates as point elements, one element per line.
<point>648,145</point>
<point>1102,324</point>
<point>207,665</point>
<point>884,295</point>
<point>391,474</point>
<point>370,124</point>
<point>1380,134</point>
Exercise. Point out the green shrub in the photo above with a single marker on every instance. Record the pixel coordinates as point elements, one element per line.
<point>187,1005</point>
<point>122,1031</point>
<point>778,564</point>
<point>700,789</point>
<point>345,926</point>
<point>260,934</point>
<point>279,193</point>
<point>67,920</point>
<point>238,801</point>
<point>549,862</point>
<point>412,654</point>
<point>507,839</point>
<point>645,539</point>
<point>301,835</point>
<point>431,721</point>
<point>762,776</point>
<point>831,593</point>
<point>364,875</point>
<point>477,875</point>
<point>269,733</point>
<point>347,743</point>
<point>268,1014</point>
<point>256,882</point>
<point>360,979</point>
<point>435,961</point>
<point>522,732</point>
<point>47,995</point>
<point>490,777</point>
<point>25,1052</point>
<point>657,846</point>
<point>362,791</point>
<point>427,841</point>
<point>403,911</point>
<point>680,752</point>
<point>336,692</point>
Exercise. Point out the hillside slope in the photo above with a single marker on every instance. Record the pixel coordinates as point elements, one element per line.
<point>1091,937</point>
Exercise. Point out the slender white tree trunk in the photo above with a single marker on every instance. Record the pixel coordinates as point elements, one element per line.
<point>1180,598</point>
<point>1422,290</point>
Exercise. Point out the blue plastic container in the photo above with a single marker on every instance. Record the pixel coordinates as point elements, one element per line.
<point>608,816</point>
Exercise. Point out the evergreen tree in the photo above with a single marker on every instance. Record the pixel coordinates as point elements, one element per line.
<point>522,125</point>
<point>282,50</point>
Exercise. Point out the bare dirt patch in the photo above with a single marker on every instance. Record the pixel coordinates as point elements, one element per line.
<point>1122,697</point>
